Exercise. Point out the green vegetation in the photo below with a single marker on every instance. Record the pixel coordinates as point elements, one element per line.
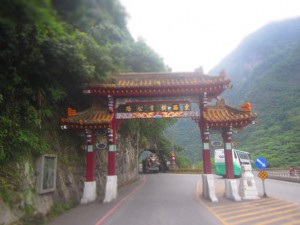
<point>152,135</point>
<point>186,133</point>
<point>49,50</point>
<point>265,71</point>
<point>273,88</point>
<point>183,162</point>
<point>58,209</point>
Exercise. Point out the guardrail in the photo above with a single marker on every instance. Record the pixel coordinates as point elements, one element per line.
<point>273,173</point>
<point>284,174</point>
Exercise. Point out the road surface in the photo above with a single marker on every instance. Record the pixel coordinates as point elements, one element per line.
<point>171,199</point>
<point>281,189</point>
<point>158,199</point>
<point>281,207</point>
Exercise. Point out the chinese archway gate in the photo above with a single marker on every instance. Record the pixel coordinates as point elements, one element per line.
<point>159,95</point>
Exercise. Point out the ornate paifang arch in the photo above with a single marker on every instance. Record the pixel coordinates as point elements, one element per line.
<point>158,95</point>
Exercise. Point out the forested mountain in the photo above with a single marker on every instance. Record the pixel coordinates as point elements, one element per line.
<point>265,70</point>
<point>48,50</point>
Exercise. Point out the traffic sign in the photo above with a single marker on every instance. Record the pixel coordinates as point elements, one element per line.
<point>263,175</point>
<point>261,163</point>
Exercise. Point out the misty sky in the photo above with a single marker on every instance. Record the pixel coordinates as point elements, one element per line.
<point>192,33</point>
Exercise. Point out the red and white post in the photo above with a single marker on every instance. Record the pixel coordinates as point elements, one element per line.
<point>206,151</point>
<point>112,179</point>
<point>231,187</point>
<point>207,177</point>
<point>227,135</point>
<point>89,190</point>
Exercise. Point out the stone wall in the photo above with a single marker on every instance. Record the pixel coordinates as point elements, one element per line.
<point>127,160</point>
<point>28,205</point>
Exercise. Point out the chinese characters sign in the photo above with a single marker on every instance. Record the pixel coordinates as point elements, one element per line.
<point>151,115</point>
<point>160,110</point>
<point>132,108</point>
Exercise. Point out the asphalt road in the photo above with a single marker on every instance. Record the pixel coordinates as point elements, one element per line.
<point>157,199</point>
<point>280,207</point>
<point>171,199</point>
<point>164,199</point>
<point>280,189</point>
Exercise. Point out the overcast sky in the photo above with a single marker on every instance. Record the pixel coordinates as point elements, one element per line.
<point>192,33</point>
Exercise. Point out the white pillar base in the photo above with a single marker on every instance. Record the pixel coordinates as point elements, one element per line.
<point>209,187</point>
<point>89,192</point>
<point>111,189</point>
<point>247,187</point>
<point>231,190</point>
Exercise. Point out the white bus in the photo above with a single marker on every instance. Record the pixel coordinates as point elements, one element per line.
<point>239,158</point>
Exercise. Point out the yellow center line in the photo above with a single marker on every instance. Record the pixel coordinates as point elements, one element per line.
<point>208,208</point>
<point>243,206</point>
<point>248,208</point>
<point>260,212</point>
<point>220,211</point>
<point>263,216</point>
<point>258,202</point>
<point>278,219</point>
<point>295,222</point>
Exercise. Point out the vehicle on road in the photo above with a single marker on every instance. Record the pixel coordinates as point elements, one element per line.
<point>239,158</point>
<point>152,163</point>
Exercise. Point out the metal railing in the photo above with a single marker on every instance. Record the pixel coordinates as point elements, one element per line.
<point>275,173</point>
<point>284,174</point>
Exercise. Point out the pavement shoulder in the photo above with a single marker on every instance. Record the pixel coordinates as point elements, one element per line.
<point>95,212</point>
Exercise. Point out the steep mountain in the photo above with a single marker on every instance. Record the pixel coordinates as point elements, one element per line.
<point>265,71</point>
<point>261,54</point>
<point>49,50</point>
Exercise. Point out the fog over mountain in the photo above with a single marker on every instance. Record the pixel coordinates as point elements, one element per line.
<point>265,71</point>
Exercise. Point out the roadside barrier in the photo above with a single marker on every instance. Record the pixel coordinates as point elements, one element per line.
<point>277,173</point>
<point>284,174</point>
<point>292,172</point>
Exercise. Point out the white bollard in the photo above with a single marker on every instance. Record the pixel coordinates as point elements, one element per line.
<point>247,187</point>
<point>209,191</point>
<point>89,192</point>
<point>231,190</point>
<point>111,190</point>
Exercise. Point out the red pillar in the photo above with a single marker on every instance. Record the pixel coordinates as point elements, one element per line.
<point>90,158</point>
<point>227,134</point>
<point>206,151</point>
<point>112,138</point>
<point>112,156</point>
<point>205,137</point>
